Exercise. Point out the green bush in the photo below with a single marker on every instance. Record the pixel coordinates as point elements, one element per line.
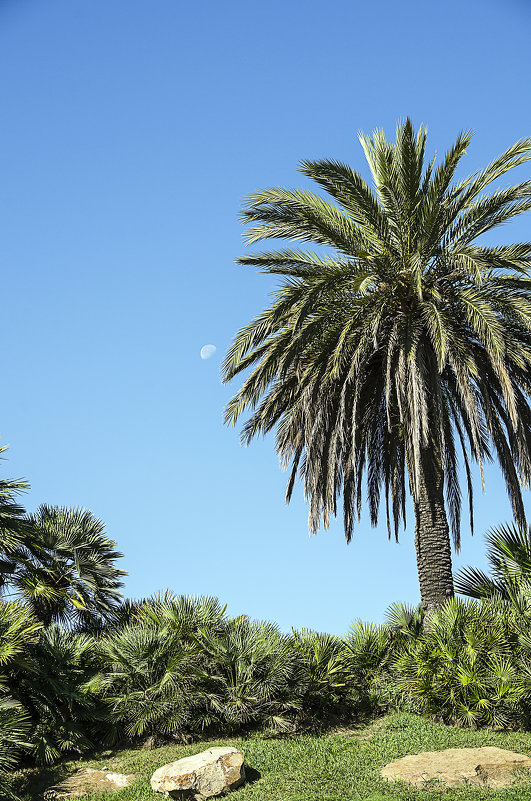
<point>14,729</point>
<point>148,680</point>
<point>182,667</point>
<point>327,679</point>
<point>466,667</point>
<point>179,667</point>
<point>17,631</point>
<point>51,683</point>
<point>255,676</point>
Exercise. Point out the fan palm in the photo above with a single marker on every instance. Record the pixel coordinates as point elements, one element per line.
<point>466,668</point>
<point>398,347</point>
<point>50,681</point>
<point>254,676</point>
<point>368,650</point>
<point>18,629</point>
<point>153,669</point>
<point>13,524</point>
<point>150,680</point>
<point>184,616</point>
<point>326,669</point>
<point>18,632</point>
<point>14,728</point>
<point>509,555</point>
<point>65,570</point>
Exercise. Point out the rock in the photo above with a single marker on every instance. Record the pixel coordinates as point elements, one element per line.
<point>486,767</point>
<point>84,782</point>
<point>205,775</point>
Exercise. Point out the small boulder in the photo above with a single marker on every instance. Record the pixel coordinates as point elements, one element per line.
<point>205,775</point>
<point>485,767</point>
<point>87,781</point>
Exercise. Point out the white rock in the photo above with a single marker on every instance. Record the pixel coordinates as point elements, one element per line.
<point>204,775</point>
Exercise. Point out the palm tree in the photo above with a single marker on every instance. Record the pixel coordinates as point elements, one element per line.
<point>468,668</point>
<point>509,556</point>
<point>64,568</point>
<point>18,631</point>
<point>13,524</point>
<point>49,679</point>
<point>399,347</point>
<point>14,730</point>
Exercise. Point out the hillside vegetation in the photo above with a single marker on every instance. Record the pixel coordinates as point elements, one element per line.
<point>83,671</point>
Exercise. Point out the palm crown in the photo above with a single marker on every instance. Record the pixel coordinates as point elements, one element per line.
<point>400,347</point>
<point>64,569</point>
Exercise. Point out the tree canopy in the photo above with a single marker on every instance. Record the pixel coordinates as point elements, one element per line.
<point>400,346</point>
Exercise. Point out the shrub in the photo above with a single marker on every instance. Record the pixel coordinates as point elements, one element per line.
<point>17,631</point>
<point>464,668</point>
<point>327,678</point>
<point>14,729</point>
<point>51,684</point>
<point>149,681</point>
<point>182,667</point>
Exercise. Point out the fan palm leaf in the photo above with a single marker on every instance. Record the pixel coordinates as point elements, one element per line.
<point>509,556</point>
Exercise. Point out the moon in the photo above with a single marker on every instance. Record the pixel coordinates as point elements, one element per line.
<point>207,351</point>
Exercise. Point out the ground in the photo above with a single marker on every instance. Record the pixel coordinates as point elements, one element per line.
<point>341,766</point>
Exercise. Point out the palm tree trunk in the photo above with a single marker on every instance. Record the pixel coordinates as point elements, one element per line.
<point>432,535</point>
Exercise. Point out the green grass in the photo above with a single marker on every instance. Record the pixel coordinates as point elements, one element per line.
<point>332,767</point>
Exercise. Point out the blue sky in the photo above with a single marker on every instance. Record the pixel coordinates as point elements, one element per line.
<point>131,133</point>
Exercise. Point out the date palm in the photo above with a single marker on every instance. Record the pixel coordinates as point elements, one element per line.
<point>399,347</point>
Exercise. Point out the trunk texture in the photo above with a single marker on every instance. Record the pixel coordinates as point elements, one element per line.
<point>432,536</point>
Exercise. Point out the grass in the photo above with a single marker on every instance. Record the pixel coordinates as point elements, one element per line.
<point>333,767</point>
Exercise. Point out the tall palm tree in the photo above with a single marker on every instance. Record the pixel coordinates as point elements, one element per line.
<point>64,569</point>
<point>400,346</point>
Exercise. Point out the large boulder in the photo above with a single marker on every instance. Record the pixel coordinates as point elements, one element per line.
<point>205,775</point>
<point>86,782</point>
<point>488,766</point>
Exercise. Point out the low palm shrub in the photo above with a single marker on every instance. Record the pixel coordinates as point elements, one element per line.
<point>369,648</point>
<point>326,678</point>
<point>14,731</point>
<point>149,681</point>
<point>509,557</point>
<point>183,616</point>
<point>255,676</point>
<point>181,667</point>
<point>465,668</point>
<point>51,683</point>
<point>17,630</point>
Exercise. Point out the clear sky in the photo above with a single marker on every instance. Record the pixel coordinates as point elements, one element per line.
<point>131,132</point>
